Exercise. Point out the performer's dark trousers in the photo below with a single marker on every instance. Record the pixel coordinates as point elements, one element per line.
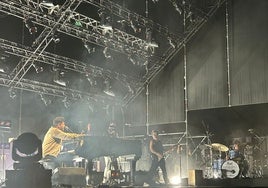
<point>154,166</point>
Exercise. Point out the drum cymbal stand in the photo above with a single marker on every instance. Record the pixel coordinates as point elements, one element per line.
<point>257,164</point>
<point>209,167</point>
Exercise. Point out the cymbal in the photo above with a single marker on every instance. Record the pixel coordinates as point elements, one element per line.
<point>219,147</point>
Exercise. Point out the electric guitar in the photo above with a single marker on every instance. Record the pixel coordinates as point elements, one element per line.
<point>167,153</point>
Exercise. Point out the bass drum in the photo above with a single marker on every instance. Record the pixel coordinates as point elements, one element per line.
<point>230,169</point>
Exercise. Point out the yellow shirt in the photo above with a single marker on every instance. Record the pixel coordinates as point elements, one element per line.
<point>53,141</point>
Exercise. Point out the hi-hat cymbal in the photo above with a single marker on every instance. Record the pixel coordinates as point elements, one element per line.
<point>219,147</point>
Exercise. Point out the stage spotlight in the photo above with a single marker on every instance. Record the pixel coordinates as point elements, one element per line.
<point>122,25</point>
<point>3,68</point>
<point>91,81</point>
<point>12,93</point>
<point>135,29</point>
<point>30,25</point>
<point>130,90</point>
<point>37,68</point>
<point>56,38</point>
<point>105,20</point>
<point>66,102</point>
<point>108,88</point>
<point>133,60</point>
<point>149,39</point>
<point>177,8</point>
<point>57,78</point>
<point>89,48</point>
<point>171,42</point>
<point>45,101</point>
<point>106,53</point>
<point>48,3</point>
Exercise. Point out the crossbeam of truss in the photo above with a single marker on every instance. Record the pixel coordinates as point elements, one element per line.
<point>91,30</point>
<point>68,63</point>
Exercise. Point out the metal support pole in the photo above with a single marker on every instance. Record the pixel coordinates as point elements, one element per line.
<point>185,88</point>
<point>228,53</point>
<point>147,109</point>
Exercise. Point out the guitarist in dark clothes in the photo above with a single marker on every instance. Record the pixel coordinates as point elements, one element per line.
<point>157,151</point>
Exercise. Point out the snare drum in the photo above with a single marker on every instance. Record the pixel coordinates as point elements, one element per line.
<point>230,169</point>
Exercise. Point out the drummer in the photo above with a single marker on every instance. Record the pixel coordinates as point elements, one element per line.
<point>235,153</point>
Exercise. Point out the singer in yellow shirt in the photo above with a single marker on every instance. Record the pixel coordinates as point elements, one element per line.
<point>52,142</point>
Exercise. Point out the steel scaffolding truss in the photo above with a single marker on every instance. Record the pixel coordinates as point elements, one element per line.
<point>130,16</point>
<point>90,29</point>
<point>53,90</point>
<point>68,63</point>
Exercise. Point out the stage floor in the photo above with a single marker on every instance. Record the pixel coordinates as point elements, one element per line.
<point>210,183</point>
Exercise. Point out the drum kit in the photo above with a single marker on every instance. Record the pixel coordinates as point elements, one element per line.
<point>222,162</point>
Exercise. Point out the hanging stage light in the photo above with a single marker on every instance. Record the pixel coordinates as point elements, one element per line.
<point>30,25</point>
<point>12,93</point>
<point>106,53</point>
<point>149,39</point>
<point>108,88</point>
<point>46,101</point>
<point>48,3</point>
<point>171,42</point>
<point>66,102</point>
<point>57,78</point>
<point>37,68</point>
<point>105,20</point>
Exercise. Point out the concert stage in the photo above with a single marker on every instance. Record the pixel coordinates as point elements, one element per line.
<point>246,182</point>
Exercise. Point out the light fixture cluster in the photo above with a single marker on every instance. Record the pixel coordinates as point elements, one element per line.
<point>58,75</point>
<point>30,25</point>
<point>12,93</point>
<point>108,88</point>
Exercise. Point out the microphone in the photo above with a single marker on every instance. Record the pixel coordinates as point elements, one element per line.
<point>68,129</point>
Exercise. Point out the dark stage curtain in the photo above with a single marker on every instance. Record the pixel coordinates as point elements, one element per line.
<point>206,66</point>
<point>166,98</point>
<point>249,68</point>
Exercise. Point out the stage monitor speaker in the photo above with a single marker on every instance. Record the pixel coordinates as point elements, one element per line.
<point>195,177</point>
<point>28,178</point>
<point>72,176</point>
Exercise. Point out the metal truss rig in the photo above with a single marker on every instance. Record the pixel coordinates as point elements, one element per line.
<point>41,43</point>
<point>53,90</point>
<point>130,16</point>
<point>90,30</point>
<point>15,8</point>
<point>68,63</point>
